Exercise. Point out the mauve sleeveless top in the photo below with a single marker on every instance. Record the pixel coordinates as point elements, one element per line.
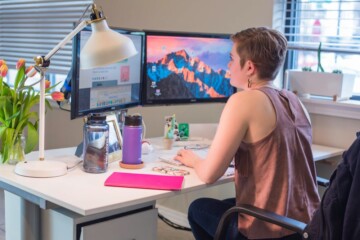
<point>277,173</point>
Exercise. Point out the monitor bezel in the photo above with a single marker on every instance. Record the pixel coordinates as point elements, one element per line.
<point>149,102</point>
<point>75,111</point>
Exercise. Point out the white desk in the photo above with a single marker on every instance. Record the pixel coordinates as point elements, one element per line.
<point>79,200</point>
<point>324,152</point>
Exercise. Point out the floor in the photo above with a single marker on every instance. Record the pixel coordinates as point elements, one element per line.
<point>166,232</point>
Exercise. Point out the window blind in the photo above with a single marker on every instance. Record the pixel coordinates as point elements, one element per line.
<point>334,23</point>
<point>31,28</point>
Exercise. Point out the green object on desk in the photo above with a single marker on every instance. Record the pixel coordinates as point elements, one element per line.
<point>184,131</point>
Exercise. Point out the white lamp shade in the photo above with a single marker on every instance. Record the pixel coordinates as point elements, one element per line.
<point>105,47</point>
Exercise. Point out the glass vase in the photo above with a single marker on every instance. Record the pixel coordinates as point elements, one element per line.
<point>16,152</point>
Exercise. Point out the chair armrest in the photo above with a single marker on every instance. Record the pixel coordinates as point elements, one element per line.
<point>261,214</point>
<point>322,181</point>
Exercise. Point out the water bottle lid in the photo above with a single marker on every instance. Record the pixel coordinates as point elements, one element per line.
<point>98,117</point>
<point>134,120</point>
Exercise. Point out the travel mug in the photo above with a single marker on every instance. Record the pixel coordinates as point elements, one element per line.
<point>132,136</point>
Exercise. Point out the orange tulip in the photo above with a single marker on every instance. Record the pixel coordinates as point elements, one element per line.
<point>28,71</point>
<point>20,63</point>
<point>47,84</point>
<point>58,96</point>
<point>3,70</point>
<point>2,62</point>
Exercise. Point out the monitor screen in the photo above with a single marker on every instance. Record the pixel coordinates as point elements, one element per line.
<point>108,88</point>
<point>186,68</point>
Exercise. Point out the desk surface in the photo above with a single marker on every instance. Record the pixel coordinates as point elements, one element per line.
<point>85,194</point>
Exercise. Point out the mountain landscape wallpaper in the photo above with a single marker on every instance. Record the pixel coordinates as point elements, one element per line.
<point>187,67</point>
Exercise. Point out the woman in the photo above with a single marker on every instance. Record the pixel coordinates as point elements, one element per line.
<point>268,134</point>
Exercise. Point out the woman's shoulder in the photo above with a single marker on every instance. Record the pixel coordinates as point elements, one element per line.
<point>245,102</point>
<point>247,95</point>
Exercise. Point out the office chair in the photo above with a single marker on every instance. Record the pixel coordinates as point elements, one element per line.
<point>267,216</point>
<point>336,218</point>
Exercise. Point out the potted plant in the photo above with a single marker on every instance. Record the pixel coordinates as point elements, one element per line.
<point>336,85</point>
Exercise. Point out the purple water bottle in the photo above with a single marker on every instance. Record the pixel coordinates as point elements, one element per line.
<point>132,132</point>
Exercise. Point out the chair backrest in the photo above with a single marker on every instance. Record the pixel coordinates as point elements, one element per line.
<point>262,214</point>
<point>339,214</point>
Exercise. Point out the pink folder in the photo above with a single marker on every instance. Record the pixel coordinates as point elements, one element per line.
<point>148,181</point>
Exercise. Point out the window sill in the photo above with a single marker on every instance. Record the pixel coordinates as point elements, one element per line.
<point>344,109</point>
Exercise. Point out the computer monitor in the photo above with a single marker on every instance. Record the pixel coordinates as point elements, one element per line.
<point>108,88</point>
<point>186,68</point>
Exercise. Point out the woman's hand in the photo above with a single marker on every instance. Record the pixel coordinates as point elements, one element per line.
<point>187,157</point>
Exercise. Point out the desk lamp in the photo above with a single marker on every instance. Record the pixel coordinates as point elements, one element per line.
<point>104,47</point>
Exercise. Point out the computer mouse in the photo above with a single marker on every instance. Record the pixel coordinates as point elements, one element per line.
<point>146,147</point>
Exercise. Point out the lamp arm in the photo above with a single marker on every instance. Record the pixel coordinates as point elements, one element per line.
<point>43,61</point>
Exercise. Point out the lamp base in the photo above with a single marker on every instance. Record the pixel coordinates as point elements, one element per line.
<point>41,169</point>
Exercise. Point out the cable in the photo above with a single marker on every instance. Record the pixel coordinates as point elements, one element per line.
<point>173,225</point>
<point>73,166</point>
<point>61,105</point>
<point>64,109</point>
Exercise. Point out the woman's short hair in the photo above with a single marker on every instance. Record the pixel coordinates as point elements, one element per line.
<point>265,47</point>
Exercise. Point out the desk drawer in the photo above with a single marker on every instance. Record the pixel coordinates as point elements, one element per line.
<point>139,226</point>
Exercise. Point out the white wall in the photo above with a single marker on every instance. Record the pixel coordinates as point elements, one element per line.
<point>188,15</point>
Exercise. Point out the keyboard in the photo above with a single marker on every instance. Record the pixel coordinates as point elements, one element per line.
<point>169,159</point>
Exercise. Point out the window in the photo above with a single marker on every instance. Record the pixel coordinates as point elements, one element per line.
<point>334,23</point>
<point>32,28</point>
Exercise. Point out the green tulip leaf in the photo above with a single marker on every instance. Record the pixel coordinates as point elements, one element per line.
<point>32,138</point>
<point>19,76</point>
<point>2,130</point>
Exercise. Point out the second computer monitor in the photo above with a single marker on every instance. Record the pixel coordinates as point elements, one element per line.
<point>186,68</point>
